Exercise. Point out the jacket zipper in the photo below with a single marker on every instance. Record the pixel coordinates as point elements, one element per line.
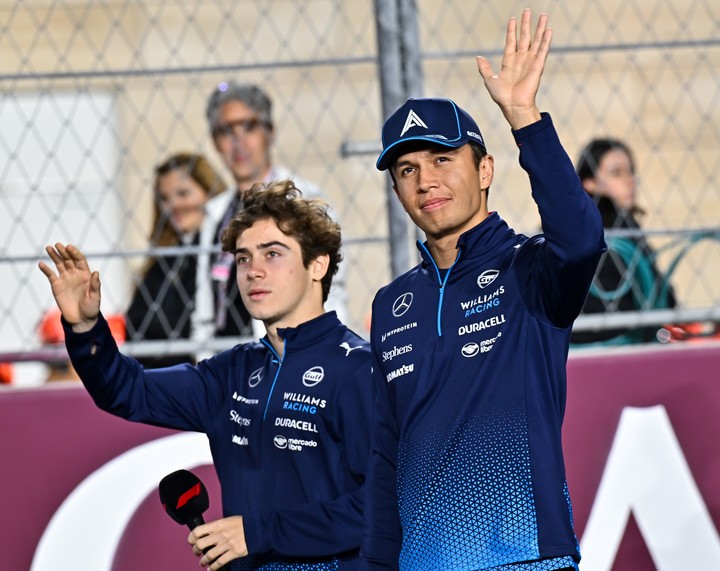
<point>442,283</point>
<point>277,373</point>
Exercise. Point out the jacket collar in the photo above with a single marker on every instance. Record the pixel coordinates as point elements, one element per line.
<point>309,333</point>
<point>478,242</point>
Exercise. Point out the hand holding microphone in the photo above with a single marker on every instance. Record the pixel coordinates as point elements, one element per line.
<point>184,498</point>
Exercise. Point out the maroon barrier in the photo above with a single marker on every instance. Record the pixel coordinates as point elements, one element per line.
<point>684,380</point>
<point>54,438</point>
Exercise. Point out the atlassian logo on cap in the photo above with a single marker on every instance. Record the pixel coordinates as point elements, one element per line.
<point>413,120</point>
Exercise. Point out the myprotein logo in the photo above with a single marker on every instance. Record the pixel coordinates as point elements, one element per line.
<point>313,376</point>
<point>487,277</point>
<point>402,304</point>
<point>255,377</point>
<point>243,399</point>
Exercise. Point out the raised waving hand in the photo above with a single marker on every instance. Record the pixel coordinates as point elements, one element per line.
<point>76,289</point>
<point>515,86</point>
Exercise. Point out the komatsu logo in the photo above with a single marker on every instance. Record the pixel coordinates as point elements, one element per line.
<point>240,440</point>
<point>404,370</point>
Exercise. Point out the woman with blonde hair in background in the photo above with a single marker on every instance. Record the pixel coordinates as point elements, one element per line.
<point>165,295</point>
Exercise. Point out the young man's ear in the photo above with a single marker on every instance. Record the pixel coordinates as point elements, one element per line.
<point>319,267</point>
<point>486,171</point>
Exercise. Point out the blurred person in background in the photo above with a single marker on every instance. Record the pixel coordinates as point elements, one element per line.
<point>164,299</point>
<point>627,278</point>
<point>243,132</point>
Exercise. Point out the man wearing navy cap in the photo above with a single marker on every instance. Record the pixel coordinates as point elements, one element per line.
<point>470,346</point>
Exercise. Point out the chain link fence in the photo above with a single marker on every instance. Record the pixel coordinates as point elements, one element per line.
<point>93,95</point>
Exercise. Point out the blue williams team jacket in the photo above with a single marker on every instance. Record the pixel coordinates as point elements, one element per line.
<point>469,365</point>
<point>290,437</point>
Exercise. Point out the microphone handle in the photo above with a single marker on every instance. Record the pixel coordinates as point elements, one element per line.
<point>196,521</point>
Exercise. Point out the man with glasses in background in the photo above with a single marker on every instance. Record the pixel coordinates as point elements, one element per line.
<point>243,132</point>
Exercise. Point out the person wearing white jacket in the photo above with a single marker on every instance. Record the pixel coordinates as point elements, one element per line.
<point>241,125</point>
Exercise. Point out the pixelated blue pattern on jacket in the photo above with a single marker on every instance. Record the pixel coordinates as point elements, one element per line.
<point>552,564</point>
<point>269,563</point>
<point>465,494</point>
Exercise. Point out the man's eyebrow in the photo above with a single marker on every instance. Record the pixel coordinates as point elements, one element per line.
<point>263,246</point>
<point>433,150</point>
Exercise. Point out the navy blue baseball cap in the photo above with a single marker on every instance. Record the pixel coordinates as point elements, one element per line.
<point>438,121</point>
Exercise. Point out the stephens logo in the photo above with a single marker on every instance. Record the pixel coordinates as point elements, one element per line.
<point>402,304</point>
<point>313,376</point>
<point>486,278</point>
<point>470,349</point>
<point>395,351</point>
<point>255,377</point>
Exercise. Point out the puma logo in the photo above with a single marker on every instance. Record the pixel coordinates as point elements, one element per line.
<point>345,345</point>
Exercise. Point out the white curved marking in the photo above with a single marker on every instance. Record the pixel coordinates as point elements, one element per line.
<point>85,531</point>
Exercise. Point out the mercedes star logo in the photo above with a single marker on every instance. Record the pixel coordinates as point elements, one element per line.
<point>402,304</point>
<point>255,377</point>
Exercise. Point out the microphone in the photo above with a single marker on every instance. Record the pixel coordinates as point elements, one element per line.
<point>184,498</point>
